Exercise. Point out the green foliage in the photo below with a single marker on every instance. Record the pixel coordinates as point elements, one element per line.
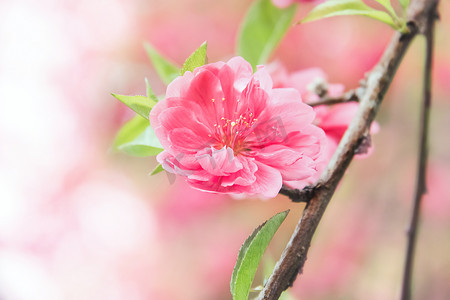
<point>268,265</point>
<point>404,4</point>
<point>333,8</point>
<point>262,29</point>
<point>157,170</point>
<point>387,4</point>
<point>137,138</point>
<point>250,255</point>
<point>166,69</point>
<point>140,104</point>
<point>197,59</point>
<point>150,93</point>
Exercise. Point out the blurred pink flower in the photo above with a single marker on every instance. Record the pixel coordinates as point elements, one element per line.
<point>286,3</point>
<point>334,120</point>
<point>229,131</point>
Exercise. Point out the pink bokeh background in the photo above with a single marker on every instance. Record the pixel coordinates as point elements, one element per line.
<point>78,221</point>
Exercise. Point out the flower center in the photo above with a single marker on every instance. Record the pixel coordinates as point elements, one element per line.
<point>231,132</point>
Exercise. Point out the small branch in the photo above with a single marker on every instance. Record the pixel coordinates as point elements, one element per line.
<point>377,83</point>
<point>327,100</point>
<point>420,189</point>
<point>297,195</point>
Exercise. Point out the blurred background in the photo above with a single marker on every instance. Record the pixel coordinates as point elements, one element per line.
<point>78,221</point>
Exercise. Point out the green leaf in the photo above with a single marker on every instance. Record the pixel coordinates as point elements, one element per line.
<point>262,29</point>
<point>130,131</point>
<point>157,170</point>
<point>137,138</point>
<point>196,59</point>
<point>140,104</point>
<point>404,4</point>
<point>399,23</point>
<point>166,69</point>
<point>250,255</point>
<point>150,93</point>
<point>387,4</point>
<point>333,8</point>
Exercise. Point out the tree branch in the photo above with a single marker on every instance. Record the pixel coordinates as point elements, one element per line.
<point>378,80</point>
<point>420,189</point>
<point>327,100</point>
<point>297,195</point>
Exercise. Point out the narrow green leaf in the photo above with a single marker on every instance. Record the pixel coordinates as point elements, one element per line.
<point>240,258</point>
<point>404,4</point>
<point>262,29</point>
<point>145,144</point>
<point>196,59</point>
<point>137,138</point>
<point>387,4</point>
<point>130,131</point>
<point>140,104</point>
<point>333,8</point>
<point>250,255</point>
<point>157,170</point>
<point>140,150</point>
<point>399,23</point>
<point>150,94</point>
<point>166,69</point>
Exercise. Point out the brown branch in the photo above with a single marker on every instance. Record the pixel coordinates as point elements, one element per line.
<point>327,100</point>
<point>420,189</point>
<point>297,195</point>
<point>378,80</point>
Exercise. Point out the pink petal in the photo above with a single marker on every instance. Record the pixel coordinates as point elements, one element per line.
<point>284,95</point>
<point>179,85</point>
<point>179,117</point>
<point>185,140</point>
<point>293,165</point>
<point>301,79</point>
<point>268,181</point>
<point>340,115</point>
<point>206,91</point>
<point>242,72</point>
<point>263,77</point>
<point>244,177</point>
<point>253,99</point>
<point>219,162</point>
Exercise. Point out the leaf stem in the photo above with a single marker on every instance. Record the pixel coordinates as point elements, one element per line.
<point>420,188</point>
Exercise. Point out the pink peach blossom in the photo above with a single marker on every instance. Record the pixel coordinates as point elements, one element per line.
<point>334,120</point>
<point>228,131</point>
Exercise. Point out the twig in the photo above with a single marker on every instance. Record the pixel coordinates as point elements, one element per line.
<point>297,195</point>
<point>378,81</point>
<point>420,188</point>
<point>327,100</point>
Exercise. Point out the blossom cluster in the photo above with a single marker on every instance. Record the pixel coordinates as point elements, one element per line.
<point>228,130</point>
